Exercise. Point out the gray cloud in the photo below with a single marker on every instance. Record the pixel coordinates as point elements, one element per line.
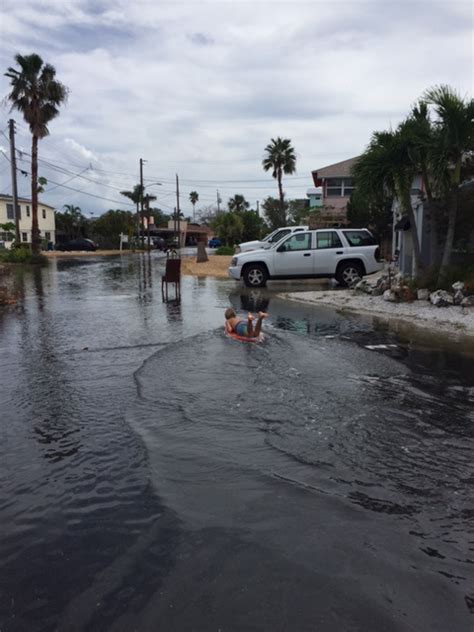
<point>199,88</point>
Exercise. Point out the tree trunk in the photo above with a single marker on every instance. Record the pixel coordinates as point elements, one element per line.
<point>282,201</point>
<point>448,244</point>
<point>35,232</point>
<point>414,233</point>
<point>201,253</point>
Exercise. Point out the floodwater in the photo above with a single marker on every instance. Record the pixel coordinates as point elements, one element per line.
<point>155,475</point>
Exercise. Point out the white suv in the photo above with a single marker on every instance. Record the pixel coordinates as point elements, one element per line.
<point>346,254</point>
<point>270,239</point>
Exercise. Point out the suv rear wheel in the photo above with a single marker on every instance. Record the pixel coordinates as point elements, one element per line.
<point>255,275</point>
<point>348,273</point>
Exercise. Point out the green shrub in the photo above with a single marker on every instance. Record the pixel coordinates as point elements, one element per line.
<point>225,250</point>
<point>22,255</point>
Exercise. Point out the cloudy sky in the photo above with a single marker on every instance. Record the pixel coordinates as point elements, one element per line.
<point>198,88</point>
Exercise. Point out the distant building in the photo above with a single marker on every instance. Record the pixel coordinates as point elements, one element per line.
<point>333,186</point>
<point>46,220</point>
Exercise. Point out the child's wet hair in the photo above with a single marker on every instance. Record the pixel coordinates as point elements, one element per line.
<point>229,313</point>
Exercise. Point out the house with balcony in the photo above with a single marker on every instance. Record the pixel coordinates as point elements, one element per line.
<point>333,186</point>
<point>46,220</point>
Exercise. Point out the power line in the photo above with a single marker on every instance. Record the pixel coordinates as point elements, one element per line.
<point>59,184</point>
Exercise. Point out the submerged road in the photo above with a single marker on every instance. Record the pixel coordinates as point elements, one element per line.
<point>156,475</point>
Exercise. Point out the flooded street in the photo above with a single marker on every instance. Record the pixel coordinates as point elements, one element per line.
<point>155,475</point>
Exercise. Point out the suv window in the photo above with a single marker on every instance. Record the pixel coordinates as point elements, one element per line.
<point>279,235</point>
<point>300,241</point>
<point>329,239</point>
<point>359,238</point>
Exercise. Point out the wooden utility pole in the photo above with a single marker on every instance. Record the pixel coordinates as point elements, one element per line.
<point>258,208</point>
<point>218,201</point>
<point>140,216</point>
<point>16,208</point>
<point>178,211</point>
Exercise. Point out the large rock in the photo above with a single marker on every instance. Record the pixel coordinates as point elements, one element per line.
<point>423,294</point>
<point>363,286</point>
<point>390,296</point>
<point>382,284</point>
<point>441,298</point>
<point>468,301</point>
<point>458,297</point>
<point>458,286</point>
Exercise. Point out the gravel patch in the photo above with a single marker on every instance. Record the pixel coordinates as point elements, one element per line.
<point>449,319</point>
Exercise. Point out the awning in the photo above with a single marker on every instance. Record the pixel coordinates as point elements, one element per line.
<point>403,223</point>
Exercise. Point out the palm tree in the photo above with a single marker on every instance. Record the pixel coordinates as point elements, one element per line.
<point>238,204</point>
<point>37,95</point>
<point>194,198</point>
<point>455,138</point>
<point>136,196</point>
<point>74,217</point>
<point>386,167</point>
<point>280,159</point>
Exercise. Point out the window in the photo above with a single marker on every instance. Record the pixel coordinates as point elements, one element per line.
<point>47,236</point>
<point>300,241</point>
<point>278,235</point>
<point>338,187</point>
<point>27,211</point>
<point>334,187</point>
<point>328,239</point>
<point>44,213</point>
<point>10,214</point>
<point>359,238</point>
<point>24,237</point>
<point>7,236</point>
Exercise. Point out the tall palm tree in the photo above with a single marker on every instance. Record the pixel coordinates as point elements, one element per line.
<point>455,137</point>
<point>37,95</point>
<point>238,204</point>
<point>194,198</point>
<point>280,159</point>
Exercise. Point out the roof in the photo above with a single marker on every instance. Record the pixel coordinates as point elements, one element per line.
<point>337,170</point>
<point>4,196</point>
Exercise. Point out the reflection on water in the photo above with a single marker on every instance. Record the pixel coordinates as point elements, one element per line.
<point>156,475</point>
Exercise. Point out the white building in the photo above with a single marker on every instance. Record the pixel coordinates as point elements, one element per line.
<point>46,220</point>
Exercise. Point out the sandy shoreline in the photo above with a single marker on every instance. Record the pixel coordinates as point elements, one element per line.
<point>453,319</point>
<point>217,266</point>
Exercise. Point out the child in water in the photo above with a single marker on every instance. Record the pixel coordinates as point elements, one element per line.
<point>243,328</point>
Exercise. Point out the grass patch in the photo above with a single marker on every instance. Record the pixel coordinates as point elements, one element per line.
<point>225,250</point>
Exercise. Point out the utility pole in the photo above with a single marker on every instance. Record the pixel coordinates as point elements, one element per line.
<point>16,208</point>
<point>218,201</point>
<point>258,208</point>
<point>178,211</point>
<point>141,198</point>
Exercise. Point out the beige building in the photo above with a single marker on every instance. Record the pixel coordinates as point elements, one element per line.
<point>333,186</point>
<point>46,220</point>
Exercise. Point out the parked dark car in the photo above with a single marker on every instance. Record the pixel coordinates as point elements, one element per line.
<point>214,243</point>
<point>159,243</point>
<point>78,244</point>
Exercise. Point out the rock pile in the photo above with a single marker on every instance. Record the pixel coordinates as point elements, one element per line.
<point>396,289</point>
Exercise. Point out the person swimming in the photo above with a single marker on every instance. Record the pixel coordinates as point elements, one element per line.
<point>241,327</point>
